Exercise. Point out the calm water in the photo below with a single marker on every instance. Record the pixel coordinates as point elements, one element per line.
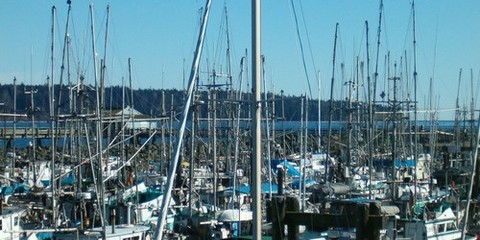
<point>443,125</point>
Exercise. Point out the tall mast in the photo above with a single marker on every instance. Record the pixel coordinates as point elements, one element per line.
<point>256,124</point>
<point>302,154</point>
<point>372,91</point>
<point>164,122</point>
<point>350,85</point>
<point>12,166</point>
<point>319,111</point>
<point>33,146</point>
<point>457,116</point>
<point>379,30</point>
<point>178,145</point>
<point>305,148</point>
<point>32,105</point>
<point>104,62</point>
<point>370,115</point>
<point>230,93</point>
<point>415,113</point>
<point>192,154</point>
<point>432,131</point>
<point>237,125</point>
<point>214,138</point>
<point>330,117</point>
<point>52,122</point>
<point>98,113</point>
<point>472,107</point>
<point>395,107</point>
<point>64,53</point>
<point>267,129</point>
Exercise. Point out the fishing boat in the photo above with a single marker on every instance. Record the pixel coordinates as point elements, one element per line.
<point>10,223</point>
<point>442,226</point>
<point>119,232</point>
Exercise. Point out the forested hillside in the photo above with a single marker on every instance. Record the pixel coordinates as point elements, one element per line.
<point>156,102</point>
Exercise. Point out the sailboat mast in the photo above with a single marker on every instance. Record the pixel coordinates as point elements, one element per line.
<point>457,116</point>
<point>12,166</point>
<point>230,111</point>
<point>379,30</point>
<point>330,117</point>
<point>305,153</point>
<point>214,137</point>
<point>256,124</point>
<point>100,187</point>
<point>64,53</point>
<point>33,144</point>
<point>192,156</point>
<point>178,145</point>
<point>52,123</point>
<point>319,111</point>
<point>370,131</point>
<point>302,154</point>
<point>267,128</point>
<point>103,62</point>
<point>472,107</point>
<point>415,110</point>
<point>237,126</point>
<point>372,93</point>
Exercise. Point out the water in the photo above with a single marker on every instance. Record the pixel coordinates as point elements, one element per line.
<point>24,142</point>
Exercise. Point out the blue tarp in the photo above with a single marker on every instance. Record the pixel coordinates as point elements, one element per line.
<point>16,188</point>
<point>405,163</point>
<point>66,180</point>
<point>265,188</point>
<point>291,171</point>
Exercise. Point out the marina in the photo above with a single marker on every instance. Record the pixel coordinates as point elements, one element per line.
<point>227,157</point>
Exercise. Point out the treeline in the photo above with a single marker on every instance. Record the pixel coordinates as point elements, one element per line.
<point>168,102</point>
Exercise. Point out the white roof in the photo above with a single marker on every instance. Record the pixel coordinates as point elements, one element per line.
<point>127,112</point>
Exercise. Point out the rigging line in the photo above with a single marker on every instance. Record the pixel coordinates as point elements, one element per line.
<point>408,28</point>
<point>299,38</point>
<point>379,30</point>
<point>385,27</point>
<point>308,38</point>
<point>218,47</point>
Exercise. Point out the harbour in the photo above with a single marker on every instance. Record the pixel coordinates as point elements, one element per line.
<point>227,155</point>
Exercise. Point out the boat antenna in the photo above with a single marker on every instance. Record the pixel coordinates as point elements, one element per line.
<point>301,47</point>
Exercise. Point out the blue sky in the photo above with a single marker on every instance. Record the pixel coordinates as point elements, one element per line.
<point>159,37</point>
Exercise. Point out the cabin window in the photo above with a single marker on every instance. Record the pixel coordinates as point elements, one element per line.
<point>15,221</point>
<point>131,238</point>
<point>451,226</point>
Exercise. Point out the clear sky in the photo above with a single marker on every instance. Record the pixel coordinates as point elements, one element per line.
<point>159,37</point>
